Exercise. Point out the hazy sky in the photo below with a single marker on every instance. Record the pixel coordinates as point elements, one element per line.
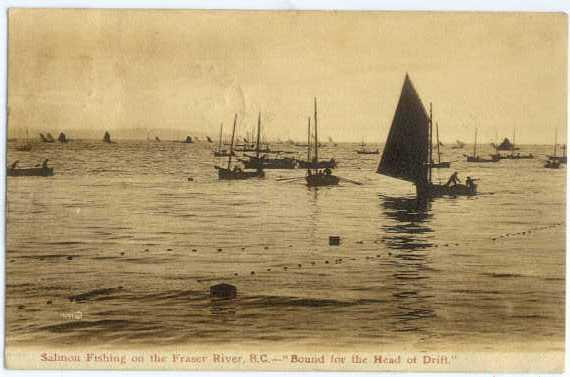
<point>82,69</point>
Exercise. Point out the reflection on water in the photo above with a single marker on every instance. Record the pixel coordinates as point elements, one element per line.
<point>406,235</point>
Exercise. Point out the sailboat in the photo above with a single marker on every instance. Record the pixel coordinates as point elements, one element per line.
<point>236,172</point>
<point>315,176</point>
<point>476,158</point>
<point>27,146</point>
<point>439,163</point>
<point>554,161</point>
<point>408,151</point>
<point>513,148</point>
<point>364,150</point>
<point>331,142</point>
<point>107,137</point>
<point>62,138</point>
<point>219,151</point>
<point>314,163</point>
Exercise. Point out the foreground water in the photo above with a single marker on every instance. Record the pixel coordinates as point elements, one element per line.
<point>120,248</point>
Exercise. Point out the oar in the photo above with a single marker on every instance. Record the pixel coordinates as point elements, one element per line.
<point>351,181</point>
<point>289,179</point>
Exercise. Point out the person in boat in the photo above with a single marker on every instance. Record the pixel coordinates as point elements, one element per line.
<point>45,164</point>
<point>470,183</point>
<point>453,180</point>
<point>328,171</point>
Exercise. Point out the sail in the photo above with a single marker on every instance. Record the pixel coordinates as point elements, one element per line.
<point>406,152</point>
<point>506,145</point>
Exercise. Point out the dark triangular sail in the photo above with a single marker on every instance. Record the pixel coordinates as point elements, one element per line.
<point>406,151</point>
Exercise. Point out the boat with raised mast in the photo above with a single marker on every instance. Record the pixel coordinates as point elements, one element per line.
<point>107,137</point>
<point>236,172</point>
<point>364,150</point>
<point>220,151</point>
<point>408,151</point>
<point>477,158</point>
<point>439,164</point>
<point>316,176</point>
<point>554,161</point>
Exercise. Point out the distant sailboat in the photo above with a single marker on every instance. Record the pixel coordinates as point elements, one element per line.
<point>476,158</point>
<point>219,151</point>
<point>107,137</point>
<point>364,150</point>
<point>439,163</point>
<point>62,138</point>
<point>554,161</point>
<point>156,138</point>
<point>27,146</point>
<point>408,150</point>
<point>331,142</point>
<point>188,140</point>
<point>209,139</point>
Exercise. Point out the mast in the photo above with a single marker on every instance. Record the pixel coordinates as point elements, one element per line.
<point>475,144</point>
<point>232,142</point>
<point>221,129</point>
<point>258,134</point>
<point>316,137</point>
<point>430,146</point>
<point>555,140</point>
<point>309,140</point>
<point>437,136</point>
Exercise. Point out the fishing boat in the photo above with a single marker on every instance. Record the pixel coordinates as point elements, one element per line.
<point>317,176</point>
<point>408,151</point>
<point>62,138</point>
<point>439,164</point>
<point>220,151</point>
<point>364,150</point>
<point>314,163</point>
<point>512,155</point>
<point>43,171</point>
<point>27,146</point>
<point>477,158</point>
<point>236,173</point>
<point>277,162</point>
<point>46,138</point>
<point>554,161</point>
<point>506,145</point>
<point>107,137</point>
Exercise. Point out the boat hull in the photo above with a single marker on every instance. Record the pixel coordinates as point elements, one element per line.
<point>376,151</point>
<point>317,180</point>
<point>320,165</point>
<point>483,160</point>
<point>228,174</point>
<point>286,163</point>
<point>441,165</point>
<point>453,190</point>
<point>30,172</point>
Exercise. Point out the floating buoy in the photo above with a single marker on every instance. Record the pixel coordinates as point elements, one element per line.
<point>49,302</point>
<point>334,240</point>
<point>69,257</point>
<point>326,262</point>
<point>269,269</point>
<point>168,249</point>
<point>313,263</point>
<point>122,253</point>
<point>194,250</point>
<point>266,247</point>
<point>223,290</point>
<point>285,268</point>
<point>299,265</point>
<point>236,274</point>
<point>220,249</point>
<point>190,179</point>
<point>252,272</point>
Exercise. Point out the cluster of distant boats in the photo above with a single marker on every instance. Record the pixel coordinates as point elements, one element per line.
<point>408,153</point>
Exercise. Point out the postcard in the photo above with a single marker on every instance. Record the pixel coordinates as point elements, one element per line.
<point>286,190</point>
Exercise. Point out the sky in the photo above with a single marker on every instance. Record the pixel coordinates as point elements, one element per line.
<point>157,70</point>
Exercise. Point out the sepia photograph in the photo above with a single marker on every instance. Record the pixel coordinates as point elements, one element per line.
<point>286,190</point>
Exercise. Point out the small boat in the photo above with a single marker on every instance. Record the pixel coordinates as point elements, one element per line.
<point>555,161</point>
<point>219,151</point>
<point>46,138</point>
<point>27,146</point>
<point>156,138</point>
<point>331,142</point>
<point>314,163</point>
<point>513,155</point>
<point>236,173</point>
<point>477,158</point>
<point>409,148</point>
<point>62,138</point>
<point>506,145</point>
<point>188,140</point>
<point>318,176</point>
<point>209,139</point>
<point>43,171</point>
<point>107,138</point>
<point>364,150</point>
<point>439,164</point>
